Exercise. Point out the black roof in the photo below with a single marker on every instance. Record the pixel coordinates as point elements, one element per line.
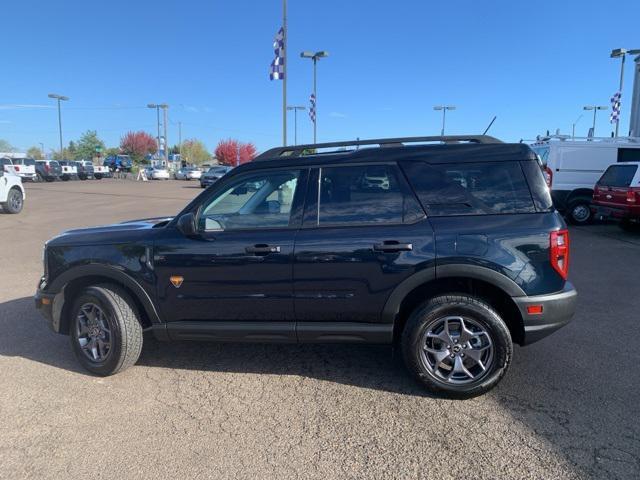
<point>451,149</point>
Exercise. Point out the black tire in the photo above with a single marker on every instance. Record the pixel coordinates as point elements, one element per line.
<point>97,176</point>
<point>579,211</point>
<point>124,326</point>
<point>50,179</point>
<point>629,226</point>
<point>14,202</point>
<point>472,310</point>
<point>39,178</point>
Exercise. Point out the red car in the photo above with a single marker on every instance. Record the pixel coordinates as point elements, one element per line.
<point>617,194</point>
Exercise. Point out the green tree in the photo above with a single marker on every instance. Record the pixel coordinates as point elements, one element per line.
<point>5,146</point>
<point>194,152</point>
<point>88,145</point>
<point>35,152</point>
<point>111,152</point>
<point>68,153</point>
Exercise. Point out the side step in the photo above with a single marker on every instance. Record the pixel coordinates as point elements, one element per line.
<point>276,332</point>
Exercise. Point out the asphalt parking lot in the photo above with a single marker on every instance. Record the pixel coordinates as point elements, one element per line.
<point>568,407</point>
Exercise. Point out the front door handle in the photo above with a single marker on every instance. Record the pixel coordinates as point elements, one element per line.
<point>392,246</point>
<point>262,249</point>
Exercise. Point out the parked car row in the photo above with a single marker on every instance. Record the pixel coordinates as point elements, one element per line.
<point>52,170</point>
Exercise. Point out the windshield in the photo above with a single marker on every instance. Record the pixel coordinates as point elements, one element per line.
<point>543,153</point>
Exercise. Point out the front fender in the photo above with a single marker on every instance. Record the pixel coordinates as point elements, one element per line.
<point>107,272</point>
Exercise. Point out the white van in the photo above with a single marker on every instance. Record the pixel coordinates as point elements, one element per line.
<point>573,166</point>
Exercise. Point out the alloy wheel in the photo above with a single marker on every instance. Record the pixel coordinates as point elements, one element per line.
<point>15,201</point>
<point>93,332</point>
<point>456,350</point>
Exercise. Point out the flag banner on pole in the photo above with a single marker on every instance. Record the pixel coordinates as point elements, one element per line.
<point>312,108</point>
<point>276,72</point>
<point>615,107</point>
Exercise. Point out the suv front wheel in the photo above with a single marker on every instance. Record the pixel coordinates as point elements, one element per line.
<point>457,345</point>
<point>105,331</point>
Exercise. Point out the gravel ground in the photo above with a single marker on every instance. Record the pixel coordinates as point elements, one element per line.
<point>567,409</point>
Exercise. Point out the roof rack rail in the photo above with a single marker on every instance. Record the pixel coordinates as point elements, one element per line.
<point>298,150</point>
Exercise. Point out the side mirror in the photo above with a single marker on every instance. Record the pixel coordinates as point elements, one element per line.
<point>187,225</point>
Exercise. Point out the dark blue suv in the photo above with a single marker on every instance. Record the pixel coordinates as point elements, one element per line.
<point>448,248</point>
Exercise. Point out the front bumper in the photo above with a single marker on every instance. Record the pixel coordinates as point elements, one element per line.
<point>557,310</point>
<point>50,307</point>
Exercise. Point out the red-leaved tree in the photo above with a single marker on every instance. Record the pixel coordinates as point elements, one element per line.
<point>227,152</point>
<point>138,145</point>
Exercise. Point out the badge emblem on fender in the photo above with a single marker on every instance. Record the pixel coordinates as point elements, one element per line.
<point>176,280</point>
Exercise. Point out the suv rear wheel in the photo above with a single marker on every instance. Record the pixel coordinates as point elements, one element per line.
<point>106,334</point>
<point>457,345</point>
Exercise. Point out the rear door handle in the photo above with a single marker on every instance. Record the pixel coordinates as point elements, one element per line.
<point>263,249</point>
<point>392,246</point>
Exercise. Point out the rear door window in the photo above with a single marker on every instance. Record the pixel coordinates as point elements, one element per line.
<point>365,195</point>
<point>486,188</point>
<point>618,176</point>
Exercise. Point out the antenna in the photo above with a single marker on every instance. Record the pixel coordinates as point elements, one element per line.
<point>489,126</point>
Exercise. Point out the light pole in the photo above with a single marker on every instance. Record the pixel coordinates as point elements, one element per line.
<point>315,57</point>
<point>59,98</point>
<point>622,53</point>
<point>573,126</point>
<point>595,109</point>
<point>164,107</point>
<point>295,109</point>
<point>444,109</point>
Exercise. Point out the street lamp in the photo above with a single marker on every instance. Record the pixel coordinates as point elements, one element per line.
<point>595,109</point>
<point>164,107</point>
<point>444,109</point>
<point>59,98</point>
<point>622,53</point>
<point>315,56</point>
<point>295,109</point>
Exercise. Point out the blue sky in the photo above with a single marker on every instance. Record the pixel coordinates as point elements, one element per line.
<point>532,64</point>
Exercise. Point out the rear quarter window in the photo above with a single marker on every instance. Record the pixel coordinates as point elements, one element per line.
<point>487,188</point>
<point>618,175</point>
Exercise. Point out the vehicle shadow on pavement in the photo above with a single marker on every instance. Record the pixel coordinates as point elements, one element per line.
<point>25,334</point>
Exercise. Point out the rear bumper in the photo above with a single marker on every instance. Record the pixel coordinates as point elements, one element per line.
<point>601,212</point>
<point>557,310</point>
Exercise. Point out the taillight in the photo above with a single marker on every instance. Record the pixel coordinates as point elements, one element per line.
<point>548,176</point>
<point>16,168</point>
<point>633,195</point>
<point>559,249</point>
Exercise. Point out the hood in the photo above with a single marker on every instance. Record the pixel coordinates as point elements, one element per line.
<point>127,232</point>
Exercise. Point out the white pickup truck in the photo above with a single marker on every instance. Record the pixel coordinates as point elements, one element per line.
<point>11,192</point>
<point>100,172</point>
<point>25,168</point>
<point>69,170</point>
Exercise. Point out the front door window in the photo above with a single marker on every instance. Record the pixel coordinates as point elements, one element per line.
<point>260,201</point>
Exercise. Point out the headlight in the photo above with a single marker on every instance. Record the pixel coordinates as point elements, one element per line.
<point>45,261</point>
